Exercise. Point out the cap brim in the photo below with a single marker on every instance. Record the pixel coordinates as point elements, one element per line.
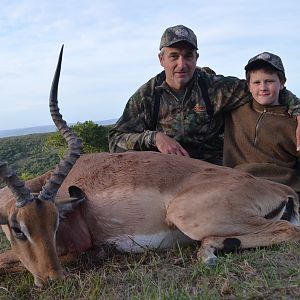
<point>251,64</point>
<point>260,60</point>
<point>179,40</point>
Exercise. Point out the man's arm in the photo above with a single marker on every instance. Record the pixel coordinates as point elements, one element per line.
<point>230,92</point>
<point>168,145</point>
<point>132,130</point>
<point>152,140</point>
<point>226,92</point>
<point>298,133</point>
<point>293,103</point>
<point>130,133</point>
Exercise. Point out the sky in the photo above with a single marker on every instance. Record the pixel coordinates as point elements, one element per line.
<point>111,47</point>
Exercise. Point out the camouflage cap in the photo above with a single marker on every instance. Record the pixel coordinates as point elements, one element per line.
<point>269,58</point>
<point>178,33</point>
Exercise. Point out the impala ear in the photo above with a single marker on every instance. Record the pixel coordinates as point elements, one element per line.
<point>77,196</point>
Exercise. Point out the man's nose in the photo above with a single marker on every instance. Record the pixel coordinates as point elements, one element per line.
<point>181,61</point>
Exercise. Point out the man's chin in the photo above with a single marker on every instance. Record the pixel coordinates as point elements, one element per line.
<point>183,81</point>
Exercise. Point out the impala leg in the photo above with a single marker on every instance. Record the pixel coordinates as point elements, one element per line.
<point>9,263</point>
<point>68,259</point>
<point>206,253</point>
<point>273,232</point>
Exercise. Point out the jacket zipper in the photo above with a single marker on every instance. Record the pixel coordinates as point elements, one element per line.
<point>257,126</point>
<point>181,108</point>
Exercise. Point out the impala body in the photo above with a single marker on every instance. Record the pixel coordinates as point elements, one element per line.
<point>136,201</point>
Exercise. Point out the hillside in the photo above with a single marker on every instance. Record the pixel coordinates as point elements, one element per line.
<point>26,131</point>
<point>34,154</point>
<point>28,154</point>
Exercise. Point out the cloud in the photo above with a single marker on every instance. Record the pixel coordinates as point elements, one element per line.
<point>111,49</point>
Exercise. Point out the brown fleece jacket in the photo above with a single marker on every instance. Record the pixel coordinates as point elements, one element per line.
<point>261,140</point>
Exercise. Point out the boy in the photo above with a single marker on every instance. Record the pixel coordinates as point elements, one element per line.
<point>259,135</point>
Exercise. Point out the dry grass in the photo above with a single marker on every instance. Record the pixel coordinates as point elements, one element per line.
<point>267,273</point>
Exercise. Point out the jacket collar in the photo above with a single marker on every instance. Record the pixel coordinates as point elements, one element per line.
<point>268,108</point>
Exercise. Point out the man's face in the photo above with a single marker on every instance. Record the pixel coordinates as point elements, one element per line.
<point>179,62</point>
<point>265,87</point>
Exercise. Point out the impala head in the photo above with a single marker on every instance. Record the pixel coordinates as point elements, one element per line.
<point>32,220</point>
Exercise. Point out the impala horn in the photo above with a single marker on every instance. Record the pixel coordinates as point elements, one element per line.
<point>49,190</point>
<point>17,186</point>
<point>51,187</point>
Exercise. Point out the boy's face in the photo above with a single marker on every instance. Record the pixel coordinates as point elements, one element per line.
<point>265,87</point>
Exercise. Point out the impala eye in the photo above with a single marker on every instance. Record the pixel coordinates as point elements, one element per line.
<point>18,233</point>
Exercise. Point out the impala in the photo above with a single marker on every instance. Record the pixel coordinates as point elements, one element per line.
<point>135,201</point>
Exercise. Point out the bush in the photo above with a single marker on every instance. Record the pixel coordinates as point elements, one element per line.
<point>94,138</point>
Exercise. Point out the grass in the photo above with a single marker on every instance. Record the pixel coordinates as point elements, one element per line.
<point>266,273</point>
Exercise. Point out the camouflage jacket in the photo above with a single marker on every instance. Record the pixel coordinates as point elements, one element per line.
<point>186,121</point>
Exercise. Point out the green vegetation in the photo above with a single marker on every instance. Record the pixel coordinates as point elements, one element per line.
<point>34,154</point>
<point>28,154</point>
<point>271,273</point>
<point>93,137</point>
<point>265,273</point>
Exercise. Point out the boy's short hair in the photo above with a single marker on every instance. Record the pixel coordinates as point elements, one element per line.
<point>269,62</point>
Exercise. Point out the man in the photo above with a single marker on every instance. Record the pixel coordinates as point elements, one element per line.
<point>181,111</point>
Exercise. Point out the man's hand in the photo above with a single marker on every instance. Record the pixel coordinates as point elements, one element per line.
<point>298,133</point>
<point>168,145</point>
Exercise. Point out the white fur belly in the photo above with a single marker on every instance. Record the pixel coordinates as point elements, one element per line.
<point>140,243</point>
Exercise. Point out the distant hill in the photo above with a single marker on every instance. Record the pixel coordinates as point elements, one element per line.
<point>42,129</point>
<point>28,155</point>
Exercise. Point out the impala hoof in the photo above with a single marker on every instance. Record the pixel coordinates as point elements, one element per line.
<point>211,261</point>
